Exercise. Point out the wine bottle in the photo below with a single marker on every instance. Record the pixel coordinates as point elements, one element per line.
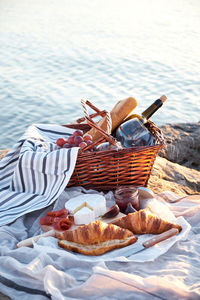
<point>133,132</point>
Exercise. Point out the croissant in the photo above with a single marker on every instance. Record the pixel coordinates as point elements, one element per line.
<point>96,238</point>
<point>144,222</point>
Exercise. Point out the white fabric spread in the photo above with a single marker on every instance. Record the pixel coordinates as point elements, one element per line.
<point>34,175</point>
<point>34,172</point>
<point>46,271</point>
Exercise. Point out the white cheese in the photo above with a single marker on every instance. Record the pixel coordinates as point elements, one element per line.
<point>84,216</point>
<point>98,203</point>
<point>94,202</point>
<point>74,204</point>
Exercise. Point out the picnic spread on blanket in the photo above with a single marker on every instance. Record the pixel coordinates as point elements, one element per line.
<point>75,196</point>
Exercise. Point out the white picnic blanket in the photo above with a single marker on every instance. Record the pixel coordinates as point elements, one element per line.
<point>33,176</point>
<point>35,172</point>
<point>47,272</point>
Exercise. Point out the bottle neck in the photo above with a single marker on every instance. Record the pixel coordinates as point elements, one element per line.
<point>151,110</point>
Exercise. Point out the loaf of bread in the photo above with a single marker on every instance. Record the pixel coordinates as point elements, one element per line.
<point>119,112</point>
<point>145,222</point>
<point>96,238</point>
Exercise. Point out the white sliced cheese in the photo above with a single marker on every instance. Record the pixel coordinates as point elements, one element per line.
<point>94,202</point>
<point>84,216</point>
<point>98,203</point>
<point>74,204</point>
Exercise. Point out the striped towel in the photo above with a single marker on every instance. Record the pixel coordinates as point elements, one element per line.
<point>35,172</point>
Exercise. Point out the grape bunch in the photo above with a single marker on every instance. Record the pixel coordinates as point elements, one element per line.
<point>75,140</point>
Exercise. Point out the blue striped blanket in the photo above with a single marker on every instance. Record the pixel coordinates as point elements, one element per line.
<point>34,172</point>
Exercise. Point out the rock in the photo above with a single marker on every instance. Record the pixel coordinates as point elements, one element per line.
<point>170,176</point>
<point>182,144</point>
<point>177,167</point>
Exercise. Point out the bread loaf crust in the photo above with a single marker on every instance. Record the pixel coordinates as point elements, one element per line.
<point>119,112</point>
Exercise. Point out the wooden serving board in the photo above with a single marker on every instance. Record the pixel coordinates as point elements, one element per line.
<point>49,231</point>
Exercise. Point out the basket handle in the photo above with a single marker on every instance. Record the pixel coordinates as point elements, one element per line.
<point>89,120</point>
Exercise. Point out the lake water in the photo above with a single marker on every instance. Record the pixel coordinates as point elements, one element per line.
<point>54,53</point>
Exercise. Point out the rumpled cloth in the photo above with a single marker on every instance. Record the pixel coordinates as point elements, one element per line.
<point>46,272</point>
<point>33,179</point>
<point>35,171</point>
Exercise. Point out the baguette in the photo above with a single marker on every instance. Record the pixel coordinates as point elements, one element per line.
<point>96,238</point>
<point>119,112</point>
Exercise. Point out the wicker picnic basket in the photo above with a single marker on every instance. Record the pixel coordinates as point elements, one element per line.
<point>106,170</point>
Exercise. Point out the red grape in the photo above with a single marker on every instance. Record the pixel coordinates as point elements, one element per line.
<point>60,142</point>
<point>89,142</point>
<point>82,145</point>
<point>78,133</point>
<point>70,140</point>
<point>75,140</point>
<point>87,137</point>
<point>78,140</point>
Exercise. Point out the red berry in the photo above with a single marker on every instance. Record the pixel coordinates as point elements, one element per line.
<point>78,140</point>
<point>70,140</point>
<point>60,142</point>
<point>78,133</point>
<point>82,145</point>
<point>87,137</point>
<point>89,142</point>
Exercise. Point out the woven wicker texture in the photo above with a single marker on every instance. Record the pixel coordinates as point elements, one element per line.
<point>106,170</point>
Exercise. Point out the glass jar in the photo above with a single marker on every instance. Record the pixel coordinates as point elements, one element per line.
<point>127,194</point>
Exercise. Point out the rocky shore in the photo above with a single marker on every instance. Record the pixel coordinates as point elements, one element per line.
<point>177,167</point>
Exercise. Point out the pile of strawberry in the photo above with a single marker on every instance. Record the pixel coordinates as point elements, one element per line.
<point>75,140</point>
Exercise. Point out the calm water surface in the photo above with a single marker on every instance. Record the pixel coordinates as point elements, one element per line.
<point>53,53</point>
